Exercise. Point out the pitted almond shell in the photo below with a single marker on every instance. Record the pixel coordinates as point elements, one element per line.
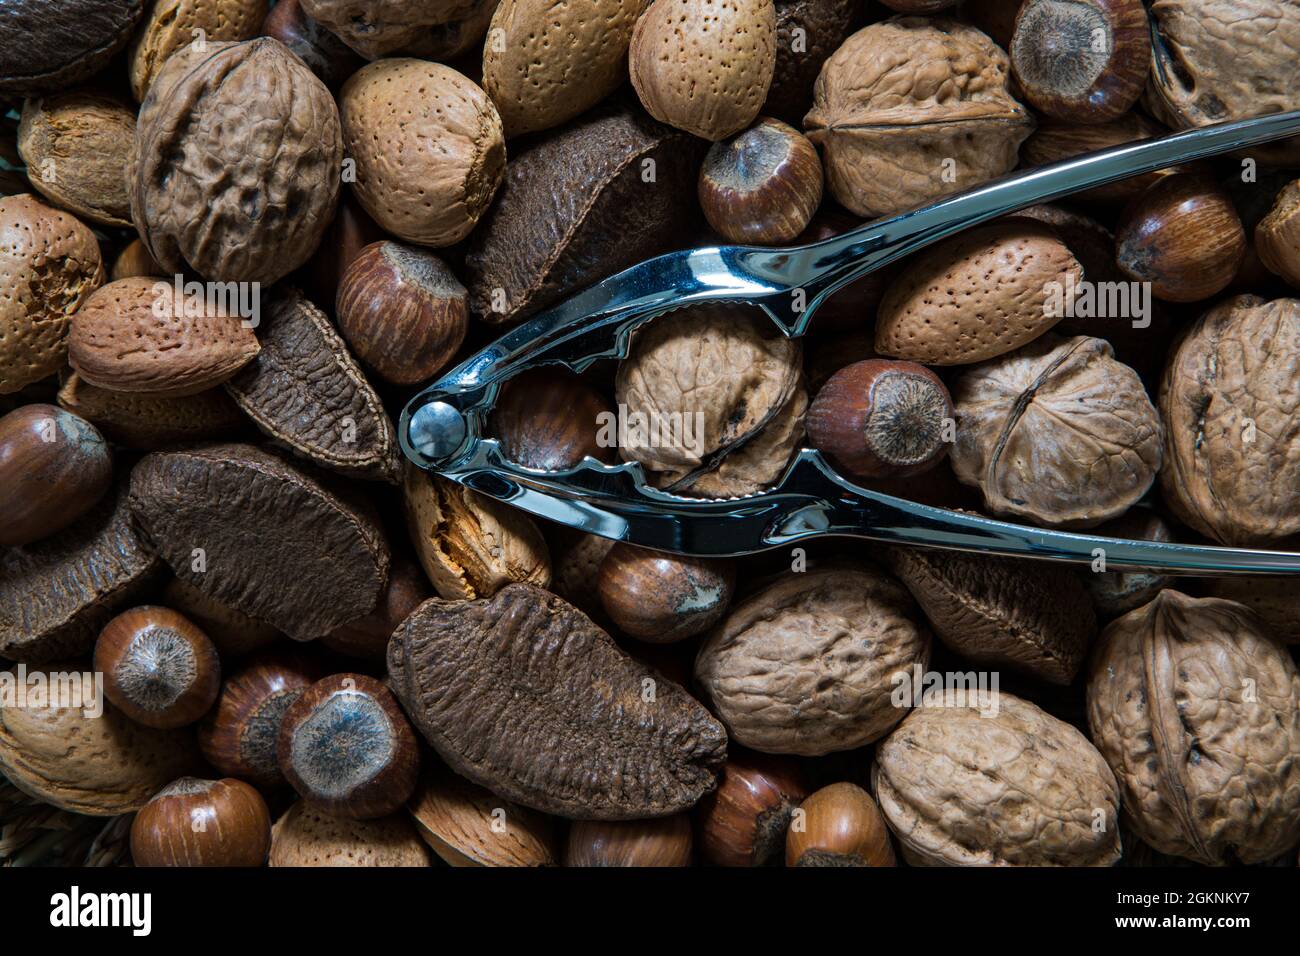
<point>171,24</point>
<point>979,295</point>
<point>548,62</point>
<point>433,193</point>
<point>49,265</point>
<point>704,66</point>
<point>138,335</point>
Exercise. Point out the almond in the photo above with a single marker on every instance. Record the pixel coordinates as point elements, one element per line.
<point>76,147</point>
<point>49,264</point>
<point>428,148</point>
<point>135,335</point>
<point>545,63</point>
<point>702,66</point>
<point>977,296</point>
<point>171,24</point>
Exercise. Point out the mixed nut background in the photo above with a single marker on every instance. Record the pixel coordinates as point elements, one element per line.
<point>206,505</point>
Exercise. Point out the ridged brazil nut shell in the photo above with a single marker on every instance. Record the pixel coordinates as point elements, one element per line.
<point>523,694</point>
<point>428,148</point>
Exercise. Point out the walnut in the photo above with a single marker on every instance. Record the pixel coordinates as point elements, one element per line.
<point>961,787</point>
<point>805,666</point>
<point>1058,432</point>
<point>236,164</point>
<point>912,109</point>
<point>1221,60</point>
<point>700,382</point>
<point>1197,710</point>
<point>1230,400</point>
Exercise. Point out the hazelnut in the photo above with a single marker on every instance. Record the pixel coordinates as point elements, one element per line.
<point>350,232</point>
<point>232,632</point>
<point>1081,60</point>
<point>839,825</point>
<point>1055,140</point>
<point>324,53</point>
<point>468,825</point>
<point>548,418</point>
<point>37,304</point>
<point>744,821</point>
<point>402,311</point>
<point>76,147</point>
<point>1182,235</point>
<point>193,822</point>
<point>139,335</point>
<point>54,466</point>
<point>704,67</point>
<point>976,296</point>
<point>367,637</point>
<point>159,669</point>
<point>1277,236</point>
<point>761,186</point>
<point>348,749</point>
<point>1058,432</point>
<point>660,842</point>
<point>881,418</point>
<point>911,109</point>
<point>240,734</point>
<point>1197,711</point>
<point>306,836</point>
<point>431,196</point>
<point>134,260</point>
<point>663,598</point>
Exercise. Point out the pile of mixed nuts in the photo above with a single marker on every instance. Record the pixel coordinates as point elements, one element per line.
<point>236,237</point>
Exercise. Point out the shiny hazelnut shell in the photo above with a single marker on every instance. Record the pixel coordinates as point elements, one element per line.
<point>54,466</point>
<point>348,749</point>
<point>881,418</point>
<point>325,54</point>
<point>367,637</point>
<point>663,598</point>
<point>840,826</point>
<point>1182,235</point>
<point>402,311</point>
<point>659,842</point>
<point>1084,61</point>
<point>159,668</point>
<point>134,260</point>
<point>240,734</point>
<point>761,186</point>
<point>744,821</point>
<point>550,419</point>
<point>194,822</point>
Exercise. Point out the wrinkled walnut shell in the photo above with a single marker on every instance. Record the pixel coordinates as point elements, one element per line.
<point>1197,711</point>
